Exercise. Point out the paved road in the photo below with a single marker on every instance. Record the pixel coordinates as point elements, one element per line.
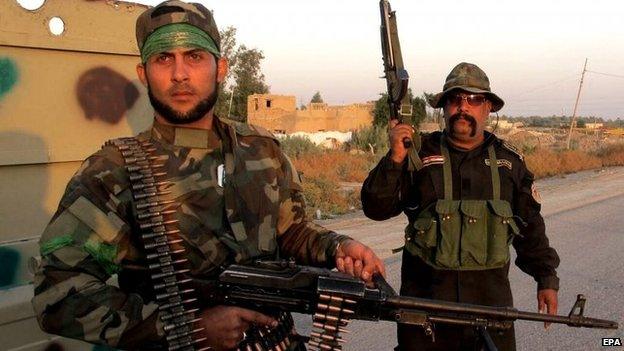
<point>584,220</point>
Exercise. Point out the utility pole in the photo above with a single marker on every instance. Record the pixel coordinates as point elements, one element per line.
<point>578,95</point>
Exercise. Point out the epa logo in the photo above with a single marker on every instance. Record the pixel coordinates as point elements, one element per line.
<point>611,342</point>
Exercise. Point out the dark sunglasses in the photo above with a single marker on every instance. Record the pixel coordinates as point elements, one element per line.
<point>472,99</point>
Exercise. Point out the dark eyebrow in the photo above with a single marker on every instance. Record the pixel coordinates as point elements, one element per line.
<point>193,51</point>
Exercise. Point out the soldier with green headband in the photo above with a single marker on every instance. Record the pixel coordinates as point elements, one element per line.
<point>175,204</point>
<point>473,197</point>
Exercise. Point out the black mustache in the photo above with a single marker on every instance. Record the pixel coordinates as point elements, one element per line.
<point>473,122</point>
<point>181,88</point>
<point>465,116</point>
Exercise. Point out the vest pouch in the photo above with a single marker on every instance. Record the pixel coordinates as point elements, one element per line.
<point>425,232</point>
<point>474,234</point>
<point>421,237</point>
<point>449,224</point>
<point>502,228</point>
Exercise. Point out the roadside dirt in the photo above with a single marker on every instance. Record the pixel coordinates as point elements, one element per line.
<point>558,194</point>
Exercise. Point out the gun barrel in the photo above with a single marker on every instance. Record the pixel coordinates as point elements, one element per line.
<point>573,321</point>
<point>490,312</point>
<point>386,37</point>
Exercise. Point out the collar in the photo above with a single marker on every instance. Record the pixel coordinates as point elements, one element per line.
<point>488,139</point>
<point>182,136</point>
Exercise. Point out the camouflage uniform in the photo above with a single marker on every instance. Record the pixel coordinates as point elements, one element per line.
<point>253,209</point>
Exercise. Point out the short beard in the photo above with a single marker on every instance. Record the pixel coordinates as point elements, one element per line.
<point>467,117</point>
<point>193,115</point>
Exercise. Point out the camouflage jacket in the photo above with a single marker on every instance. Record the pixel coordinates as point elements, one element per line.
<point>254,208</point>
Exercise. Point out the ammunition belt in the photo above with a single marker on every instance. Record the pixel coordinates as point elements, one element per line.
<point>160,235</point>
<point>333,313</point>
<point>280,338</point>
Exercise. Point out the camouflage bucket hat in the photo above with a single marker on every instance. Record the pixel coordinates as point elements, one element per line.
<point>173,12</point>
<point>470,78</point>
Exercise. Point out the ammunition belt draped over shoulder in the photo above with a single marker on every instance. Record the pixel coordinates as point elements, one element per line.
<point>164,251</point>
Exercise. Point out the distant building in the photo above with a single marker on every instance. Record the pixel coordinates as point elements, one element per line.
<point>505,124</point>
<point>279,114</point>
<point>594,125</point>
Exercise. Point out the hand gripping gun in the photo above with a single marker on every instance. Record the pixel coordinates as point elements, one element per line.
<point>334,298</point>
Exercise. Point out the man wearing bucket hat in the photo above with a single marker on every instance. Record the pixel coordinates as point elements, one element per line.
<point>175,204</point>
<point>471,199</point>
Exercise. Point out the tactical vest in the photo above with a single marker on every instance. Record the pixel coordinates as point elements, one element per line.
<point>463,234</point>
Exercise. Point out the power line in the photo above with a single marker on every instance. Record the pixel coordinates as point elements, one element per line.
<point>606,74</point>
<point>595,99</point>
<point>563,80</point>
<point>547,85</point>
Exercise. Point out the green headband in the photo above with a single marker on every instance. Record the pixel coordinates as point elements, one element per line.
<point>177,35</point>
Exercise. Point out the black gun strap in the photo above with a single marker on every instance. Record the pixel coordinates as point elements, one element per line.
<point>159,232</point>
<point>414,162</point>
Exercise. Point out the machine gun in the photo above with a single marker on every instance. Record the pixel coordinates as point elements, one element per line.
<point>396,76</point>
<point>334,298</point>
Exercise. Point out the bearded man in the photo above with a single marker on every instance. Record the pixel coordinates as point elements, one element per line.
<point>175,204</point>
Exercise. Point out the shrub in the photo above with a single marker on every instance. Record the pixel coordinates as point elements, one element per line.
<point>294,146</point>
<point>611,155</point>
<point>372,139</point>
<point>326,171</point>
<point>323,175</point>
<point>324,194</point>
<point>338,166</point>
<point>547,162</point>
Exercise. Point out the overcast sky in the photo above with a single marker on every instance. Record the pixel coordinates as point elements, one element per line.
<point>532,50</point>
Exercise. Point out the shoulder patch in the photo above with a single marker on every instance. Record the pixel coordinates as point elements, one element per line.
<point>432,160</point>
<point>500,163</point>
<point>511,147</point>
<point>246,129</point>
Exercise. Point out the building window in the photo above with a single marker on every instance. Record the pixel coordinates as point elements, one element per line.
<point>256,101</point>
<point>268,103</point>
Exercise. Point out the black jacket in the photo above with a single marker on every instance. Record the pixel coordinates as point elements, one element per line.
<point>390,189</point>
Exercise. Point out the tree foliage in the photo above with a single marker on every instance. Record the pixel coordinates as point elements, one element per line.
<point>317,98</point>
<point>228,45</point>
<point>248,79</point>
<point>244,77</point>
<point>381,111</point>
